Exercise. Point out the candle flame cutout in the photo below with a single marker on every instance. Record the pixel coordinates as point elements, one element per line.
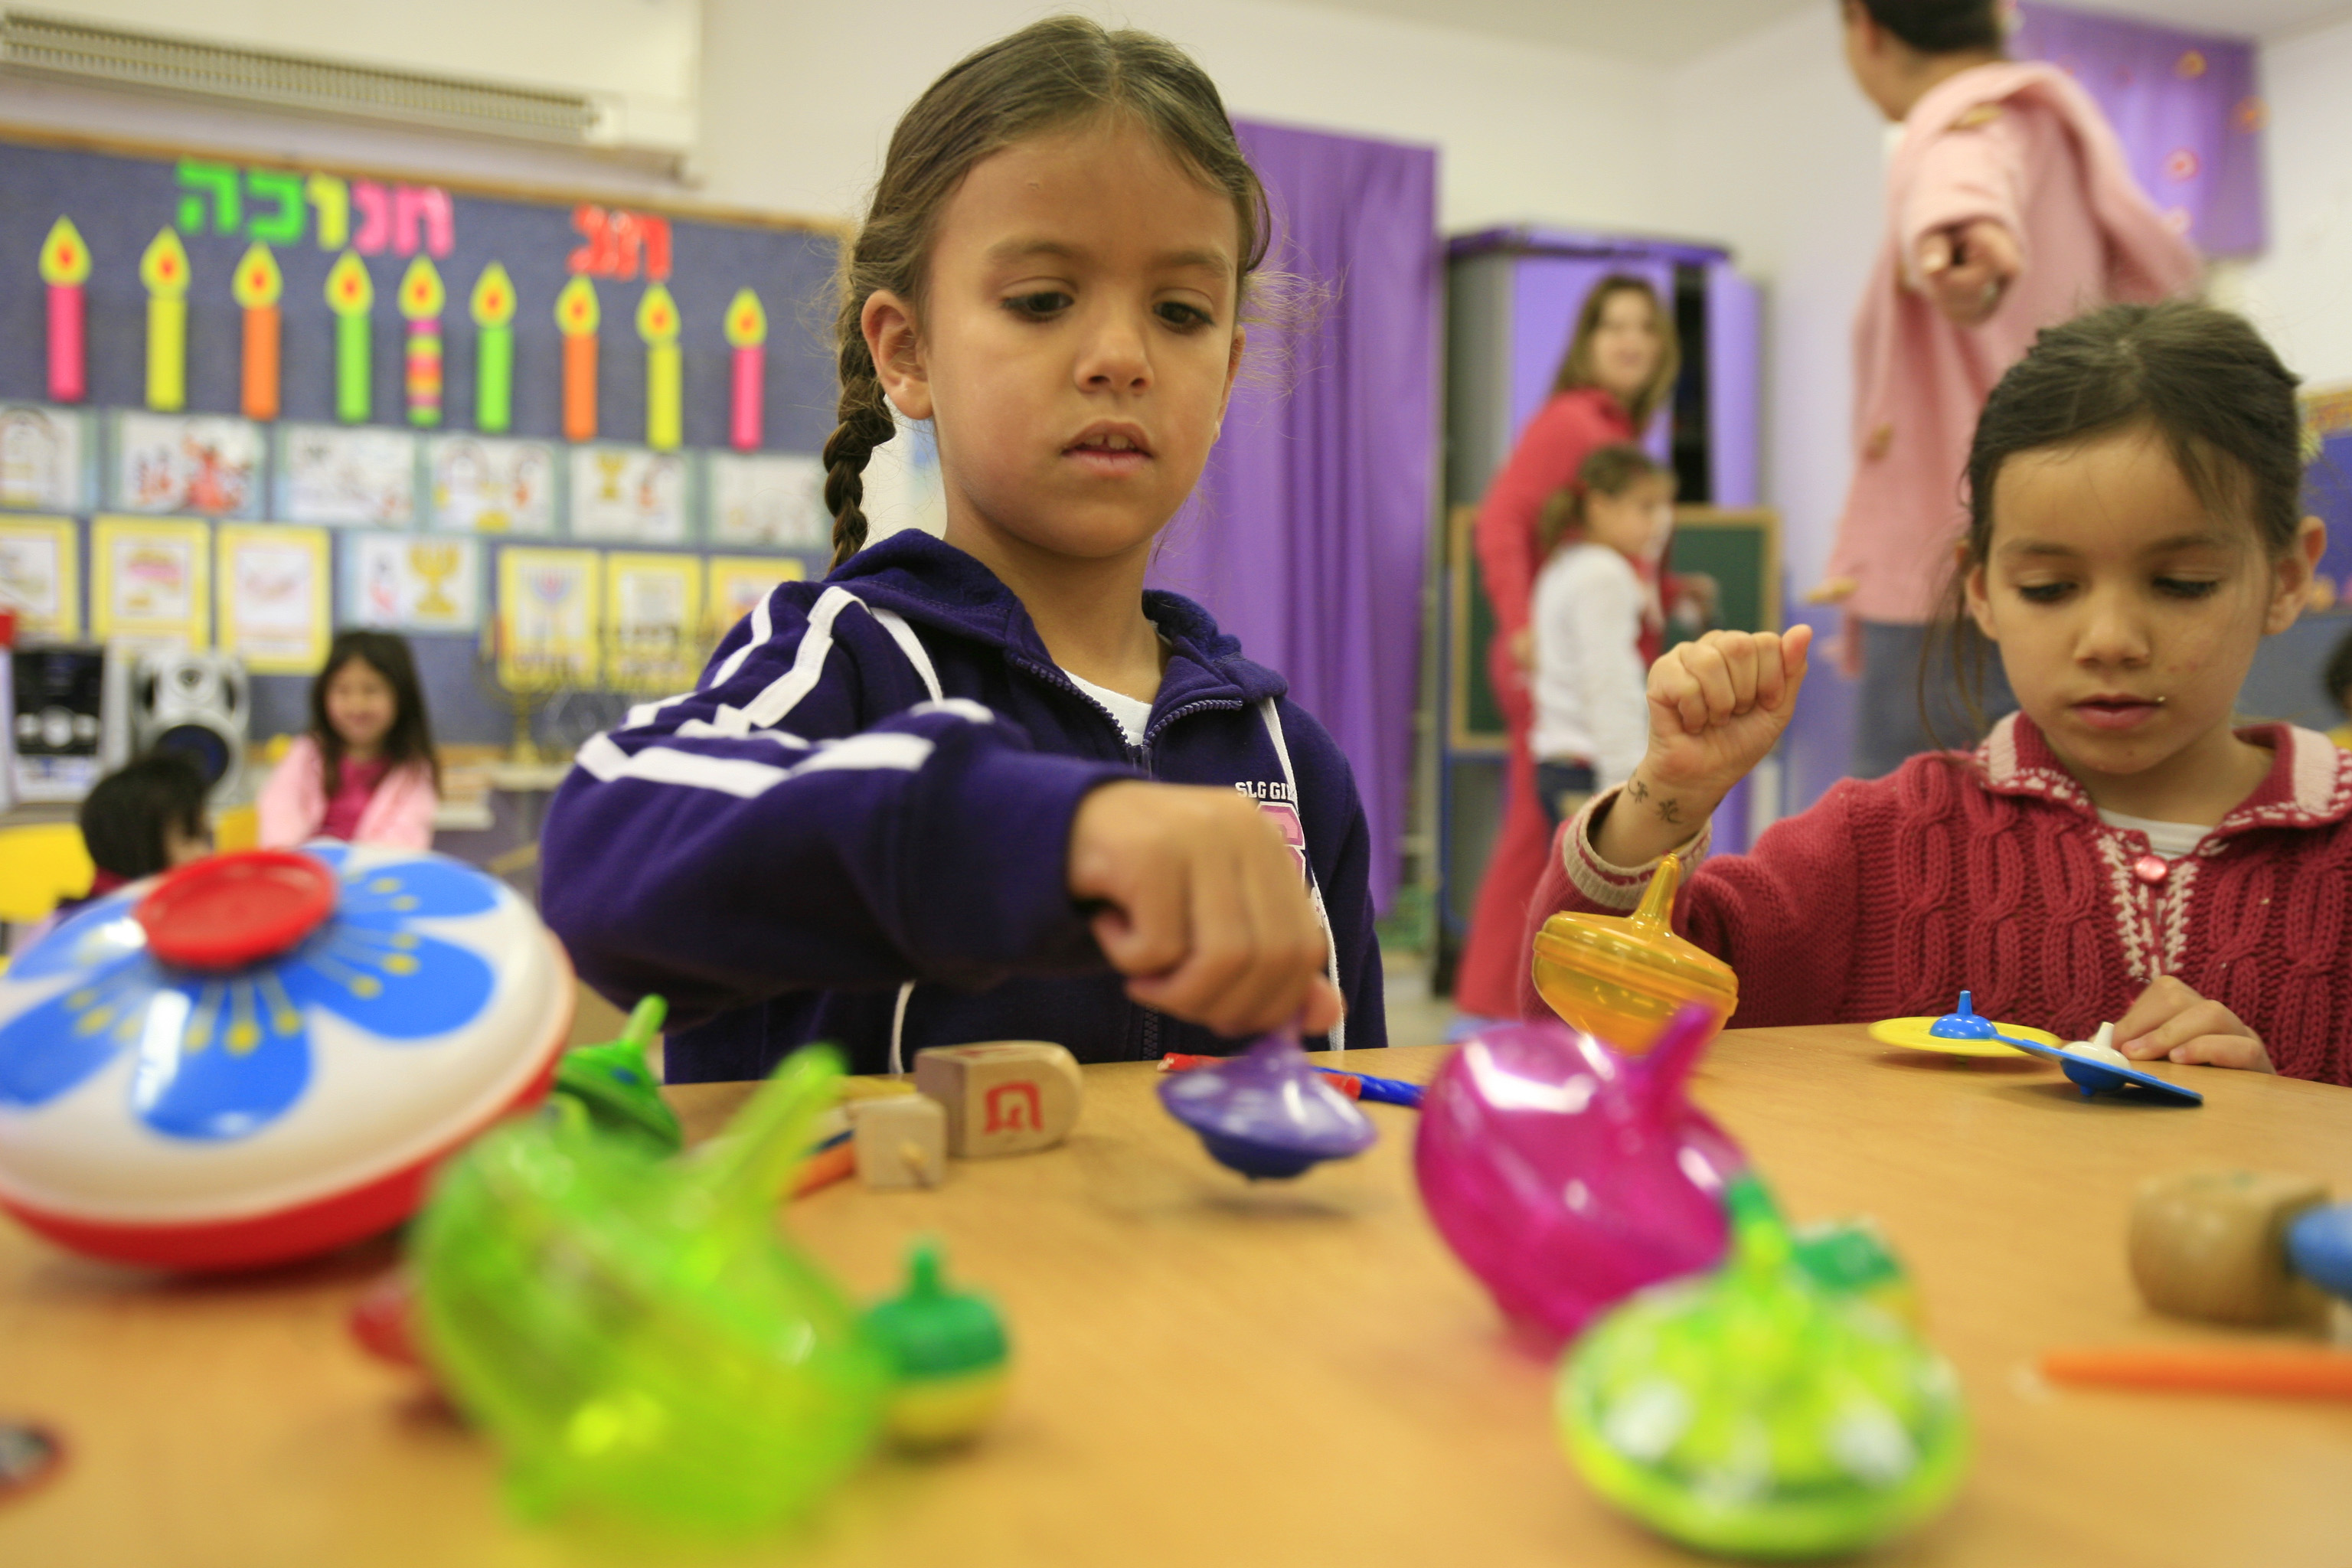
<point>65,267</point>
<point>664,398</point>
<point>163,269</point>
<point>747,334</point>
<point>577,318</point>
<point>421,299</point>
<point>257,287</point>
<point>493,308</point>
<point>350,295</point>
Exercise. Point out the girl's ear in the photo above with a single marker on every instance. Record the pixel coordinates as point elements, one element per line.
<point>888,323</point>
<point>1232,369</point>
<point>2292,573</point>
<point>1972,586</point>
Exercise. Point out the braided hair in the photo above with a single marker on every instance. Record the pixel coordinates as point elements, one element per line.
<point>1051,75</point>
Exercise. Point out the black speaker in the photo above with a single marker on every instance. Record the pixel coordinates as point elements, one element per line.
<point>60,704</point>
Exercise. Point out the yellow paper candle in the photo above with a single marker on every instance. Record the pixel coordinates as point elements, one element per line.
<point>665,398</point>
<point>163,269</point>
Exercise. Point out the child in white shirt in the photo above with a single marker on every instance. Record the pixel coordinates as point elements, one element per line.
<point>1591,722</point>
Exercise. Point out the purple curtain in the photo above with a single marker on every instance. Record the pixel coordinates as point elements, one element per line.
<point>2184,105</point>
<point>1310,534</point>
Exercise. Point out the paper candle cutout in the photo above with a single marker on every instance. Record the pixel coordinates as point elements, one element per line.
<point>421,299</point>
<point>493,306</point>
<point>747,333</point>
<point>665,396</point>
<point>350,295</point>
<point>64,267</point>
<point>576,318</point>
<point>256,285</point>
<point>163,269</point>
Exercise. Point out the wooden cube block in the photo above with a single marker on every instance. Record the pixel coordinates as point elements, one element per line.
<point>1008,1096</point>
<point>901,1142</point>
<point>2212,1245</point>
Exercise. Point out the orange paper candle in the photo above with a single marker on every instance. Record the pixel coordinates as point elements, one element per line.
<point>65,267</point>
<point>256,285</point>
<point>576,318</point>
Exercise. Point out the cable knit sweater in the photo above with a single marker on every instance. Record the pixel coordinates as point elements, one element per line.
<point>1996,874</point>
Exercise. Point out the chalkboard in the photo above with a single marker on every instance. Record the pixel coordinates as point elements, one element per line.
<point>119,198</point>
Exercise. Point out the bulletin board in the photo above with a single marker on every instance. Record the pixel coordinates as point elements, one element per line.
<point>187,335</point>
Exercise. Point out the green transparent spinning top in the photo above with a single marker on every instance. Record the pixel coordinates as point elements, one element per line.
<point>636,1335</point>
<point>1753,1413</point>
<point>614,1082</point>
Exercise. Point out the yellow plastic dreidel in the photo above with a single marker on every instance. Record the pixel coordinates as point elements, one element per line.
<point>1621,977</point>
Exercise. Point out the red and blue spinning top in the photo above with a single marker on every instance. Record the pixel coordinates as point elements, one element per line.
<point>262,1056</point>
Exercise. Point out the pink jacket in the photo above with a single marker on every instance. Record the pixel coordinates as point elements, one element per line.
<point>294,804</point>
<point>2021,144</point>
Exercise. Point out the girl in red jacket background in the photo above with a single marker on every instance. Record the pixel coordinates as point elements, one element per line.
<point>2120,848</point>
<point>1619,371</point>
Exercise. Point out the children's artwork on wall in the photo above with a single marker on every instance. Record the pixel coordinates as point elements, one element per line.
<point>40,575</point>
<point>353,478</point>
<point>628,495</point>
<point>176,463</point>
<point>483,485</point>
<point>547,618</point>
<point>653,619</point>
<point>43,459</point>
<point>412,583</point>
<point>273,595</point>
<point>777,502</point>
<point>151,581</point>
<point>735,583</point>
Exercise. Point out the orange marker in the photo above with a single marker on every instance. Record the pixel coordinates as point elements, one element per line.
<point>576,318</point>
<point>257,287</point>
<point>2283,1374</point>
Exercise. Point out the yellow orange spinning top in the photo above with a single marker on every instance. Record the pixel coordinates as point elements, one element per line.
<point>1621,977</point>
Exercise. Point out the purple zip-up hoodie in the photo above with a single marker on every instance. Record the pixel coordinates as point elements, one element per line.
<point>857,829</point>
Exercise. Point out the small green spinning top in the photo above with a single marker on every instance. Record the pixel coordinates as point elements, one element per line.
<point>1751,1412</point>
<point>613,1082</point>
<point>949,1350</point>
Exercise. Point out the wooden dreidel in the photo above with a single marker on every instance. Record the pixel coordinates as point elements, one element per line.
<point>901,1140</point>
<point>1010,1097</point>
<point>948,1349</point>
<point>2212,1245</point>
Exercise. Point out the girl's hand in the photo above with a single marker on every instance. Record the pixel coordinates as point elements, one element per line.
<point>1208,915</point>
<point>1717,706</point>
<point>1968,269</point>
<point>2170,1021</point>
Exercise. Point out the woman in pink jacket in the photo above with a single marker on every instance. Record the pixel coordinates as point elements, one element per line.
<point>2009,209</point>
<point>366,771</point>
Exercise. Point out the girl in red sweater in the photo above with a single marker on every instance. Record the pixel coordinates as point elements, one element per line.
<point>2120,849</point>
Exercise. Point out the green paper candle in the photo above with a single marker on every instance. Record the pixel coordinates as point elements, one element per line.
<point>493,308</point>
<point>351,294</point>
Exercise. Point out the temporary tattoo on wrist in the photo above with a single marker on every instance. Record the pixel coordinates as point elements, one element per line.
<point>1635,789</point>
<point>1670,812</point>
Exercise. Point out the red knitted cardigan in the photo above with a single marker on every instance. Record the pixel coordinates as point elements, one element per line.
<point>1994,873</point>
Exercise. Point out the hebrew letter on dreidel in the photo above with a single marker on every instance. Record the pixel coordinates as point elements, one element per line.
<point>218,181</point>
<point>332,200</point>
<point>284,187</point>
<point>375,217</point>
<point>430,203</point>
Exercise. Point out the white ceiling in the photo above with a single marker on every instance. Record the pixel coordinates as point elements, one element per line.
<point>1668,32</point>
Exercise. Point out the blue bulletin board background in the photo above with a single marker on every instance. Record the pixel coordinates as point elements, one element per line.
<point>120,198</point>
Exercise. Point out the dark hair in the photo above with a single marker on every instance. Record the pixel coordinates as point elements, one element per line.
<point>2338,674</point>
<point>1576,368</point>
<point>1051,74</point>
<point>410,739</point>
<point>2202,380</point>
<point>1939,26</point>
<point>1607,470</point>
<point>126,814</point>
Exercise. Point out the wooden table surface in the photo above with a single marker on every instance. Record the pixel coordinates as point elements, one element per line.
<point>1295,1373</point>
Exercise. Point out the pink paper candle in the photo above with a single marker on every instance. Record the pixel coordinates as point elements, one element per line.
<point>747,332</point>
<point>65,267</point>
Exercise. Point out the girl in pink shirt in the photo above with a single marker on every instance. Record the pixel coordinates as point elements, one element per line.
<point>366,773</point>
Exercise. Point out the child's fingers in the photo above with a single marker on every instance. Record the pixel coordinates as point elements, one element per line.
<point>1741,661</point>
<point>1708,666</point>
<point>2240,1051</point>
<point>1675,692</point>
<point>2199,1018</point>
<point>1781,665</point>
<point>1935,253</point>
<point>2156,1005</point>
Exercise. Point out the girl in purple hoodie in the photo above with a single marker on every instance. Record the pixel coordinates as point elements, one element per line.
<point>988,787</point>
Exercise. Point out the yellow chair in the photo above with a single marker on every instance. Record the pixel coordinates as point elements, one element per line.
<point>40,863</point>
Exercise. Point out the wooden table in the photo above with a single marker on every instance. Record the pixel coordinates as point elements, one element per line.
<point>1297,1374</point>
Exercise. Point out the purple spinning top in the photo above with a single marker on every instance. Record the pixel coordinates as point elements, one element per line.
<point>1267,1112</point>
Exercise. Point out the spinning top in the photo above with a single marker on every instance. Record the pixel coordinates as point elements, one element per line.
<point>1621,977</point>
<point>634,1333</point>
<point>1962,1032</point>
<point>615,1083</point>
<point>1565,1176</point>
<point>1267,1112</point>
<point>949,1351</point>
<point>1754,1413</point>
<point>2220,1246</point>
